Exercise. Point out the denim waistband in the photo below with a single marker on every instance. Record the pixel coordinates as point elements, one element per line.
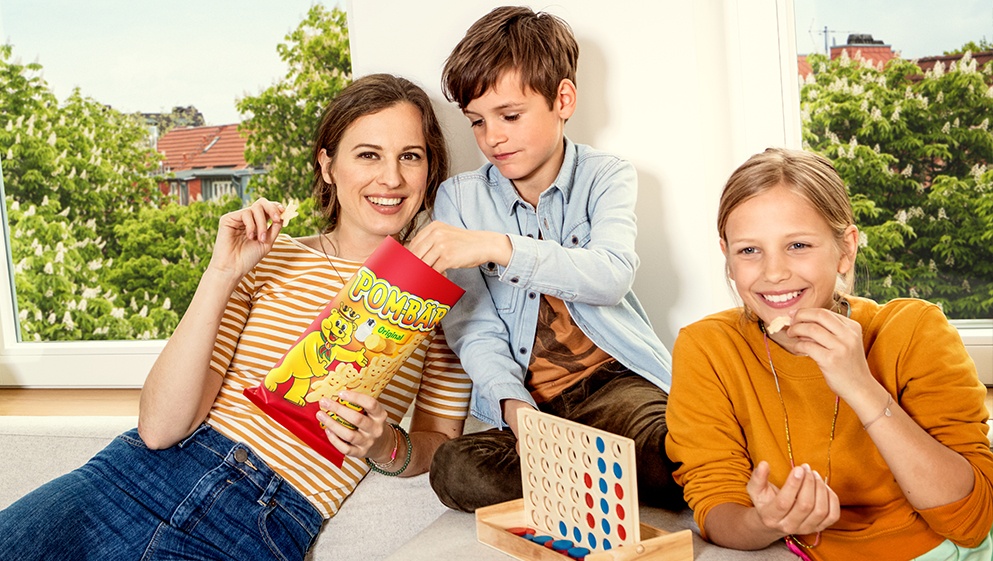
<point>273,489</point>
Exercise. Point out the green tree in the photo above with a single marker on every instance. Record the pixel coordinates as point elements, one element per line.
<point>282,119</point>
<point>913,148</point>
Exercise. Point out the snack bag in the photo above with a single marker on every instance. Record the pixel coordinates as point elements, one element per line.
<point>358,341</point>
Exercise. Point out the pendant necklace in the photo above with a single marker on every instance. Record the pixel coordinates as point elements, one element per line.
<point>327,256</point>
<point>794,543</point>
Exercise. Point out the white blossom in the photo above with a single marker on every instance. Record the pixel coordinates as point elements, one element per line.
<point>117,313</point>
<point>67,321</point>
<point>48,268</point>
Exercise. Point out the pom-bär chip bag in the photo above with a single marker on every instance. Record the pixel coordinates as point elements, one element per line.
<point>358,341</point>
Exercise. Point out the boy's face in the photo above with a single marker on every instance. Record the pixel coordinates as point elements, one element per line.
<point>519,133</point>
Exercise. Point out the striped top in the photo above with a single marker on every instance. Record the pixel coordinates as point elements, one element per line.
<point>271,307</point>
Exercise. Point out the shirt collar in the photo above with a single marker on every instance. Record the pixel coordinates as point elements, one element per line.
<point>563,181</point>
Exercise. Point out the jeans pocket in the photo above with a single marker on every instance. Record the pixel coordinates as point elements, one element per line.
<point>286,538</point>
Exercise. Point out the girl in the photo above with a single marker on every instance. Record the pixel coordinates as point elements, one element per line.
<point>207,476</point>
<point>857,431</point>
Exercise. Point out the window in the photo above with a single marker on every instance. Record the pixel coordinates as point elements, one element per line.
<point>71,91</point>
<point>905,117</point>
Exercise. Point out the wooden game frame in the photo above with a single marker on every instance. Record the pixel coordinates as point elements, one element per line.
<point>493,522</point>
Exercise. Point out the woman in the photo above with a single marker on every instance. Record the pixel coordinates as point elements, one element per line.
<point>207,476</point>
<point>850,429</point>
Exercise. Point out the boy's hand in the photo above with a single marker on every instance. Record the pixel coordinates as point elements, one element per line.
<point>443,247</point>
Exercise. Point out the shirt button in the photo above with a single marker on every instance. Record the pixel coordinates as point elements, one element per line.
<point>515,280</point>
<point>522,350</point>
<point>575,240</point>
<point>240,455</point>
<point>531,236</point>
<point>532,295</point>
<point>491,265</point>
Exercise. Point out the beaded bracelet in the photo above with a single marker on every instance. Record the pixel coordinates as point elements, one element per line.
<point>406,462</point>
<point>393,454</point>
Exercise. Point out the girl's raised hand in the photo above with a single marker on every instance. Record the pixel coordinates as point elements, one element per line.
<point>804,505</point>
<point>245,236</point>
<point>834,342</point>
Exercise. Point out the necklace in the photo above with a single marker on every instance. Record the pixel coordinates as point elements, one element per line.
<point>327,256</point>
<point>793,542</point>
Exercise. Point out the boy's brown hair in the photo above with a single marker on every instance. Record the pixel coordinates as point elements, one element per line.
<point>540,46</point>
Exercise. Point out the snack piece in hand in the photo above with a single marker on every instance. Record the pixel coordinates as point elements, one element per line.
<point>777,325</point>
<point>289,212</point>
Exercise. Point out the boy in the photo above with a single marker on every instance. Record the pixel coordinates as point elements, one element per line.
<point>542,240</point>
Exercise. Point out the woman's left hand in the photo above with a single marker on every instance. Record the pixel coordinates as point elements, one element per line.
<point>371,436</point>
<point>834,342</point>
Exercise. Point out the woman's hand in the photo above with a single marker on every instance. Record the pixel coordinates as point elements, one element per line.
<point>245,236</point>
<point>804,505</point>
<point>371,437</point>
<point>443,246</point>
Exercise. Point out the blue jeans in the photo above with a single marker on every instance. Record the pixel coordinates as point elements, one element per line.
<point>207,498</point>
<point>484,468</point>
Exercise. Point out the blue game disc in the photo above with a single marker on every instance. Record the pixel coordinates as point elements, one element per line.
<point>541,540</point>
<point>562,545</point>
<point>577,552</point>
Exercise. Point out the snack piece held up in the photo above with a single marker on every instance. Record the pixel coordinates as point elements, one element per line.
<point>289,213</point>
<point>777,324</point>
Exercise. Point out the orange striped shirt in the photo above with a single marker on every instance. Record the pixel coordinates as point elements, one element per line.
<point>268,311</point>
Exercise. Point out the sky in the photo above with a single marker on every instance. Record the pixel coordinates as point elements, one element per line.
<point>153,55</point>
<point>913,28</point>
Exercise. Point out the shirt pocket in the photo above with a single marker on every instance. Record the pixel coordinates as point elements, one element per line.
<point>579,236</point>
<point>504,296</point>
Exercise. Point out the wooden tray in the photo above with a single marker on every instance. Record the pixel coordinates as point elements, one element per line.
<point>492,523</point>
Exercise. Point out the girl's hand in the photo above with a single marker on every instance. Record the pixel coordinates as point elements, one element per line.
<point>371,437</point>
<point>245,236</point>
<point>805,504</point>
<point>835,343</point>
<point>443,246</point>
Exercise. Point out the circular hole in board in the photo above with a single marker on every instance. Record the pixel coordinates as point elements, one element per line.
<point>562,511</point>
<point>573,455</point>
<point>586,440</point>
<point>616,449</point>
<point>543,446</point>
<point>547,504</point>
<point>528,423</point>
<point>529,441</point>
<point>559,470</point>
<point>573,475</point>
<point>574,495</point>
<point>549,523</point>
<point>532,479</point>
<point>530,461</point>
<point>546,485</point>
<point>534,518</point>
<point>557,451</point>
<point>542,427</point>
<point>577,516</point>
<point>560,490</point>
<point>587,461</point>
<point>533,498</point>
<point>570,435</point>
<point>545,466</point>
<point>556,432</point>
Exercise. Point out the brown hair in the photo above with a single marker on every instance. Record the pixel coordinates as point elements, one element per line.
<point>367,95</point>
<point>807,174</point>
<point>540,46</point>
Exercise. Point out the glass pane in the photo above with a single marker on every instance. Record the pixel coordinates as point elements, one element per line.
<point>121,146</point>
<point>905,117</point>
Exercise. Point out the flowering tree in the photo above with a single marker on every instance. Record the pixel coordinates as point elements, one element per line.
<point>914,149</point>
<point>283,118</point>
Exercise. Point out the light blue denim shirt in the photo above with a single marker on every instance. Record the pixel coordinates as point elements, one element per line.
<point>577,245</point>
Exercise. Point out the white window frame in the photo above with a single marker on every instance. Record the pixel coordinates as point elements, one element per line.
<point>125,363</point>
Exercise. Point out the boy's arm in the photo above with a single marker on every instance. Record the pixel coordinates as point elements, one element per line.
<point>596,261</point>
<point>478,335</point>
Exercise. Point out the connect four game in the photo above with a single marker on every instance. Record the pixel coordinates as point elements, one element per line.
<point>580,500</point>
<point>579,482</point>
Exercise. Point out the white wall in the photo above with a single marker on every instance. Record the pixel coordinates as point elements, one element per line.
<point>684,90</point>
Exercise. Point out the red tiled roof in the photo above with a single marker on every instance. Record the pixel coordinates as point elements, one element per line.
<point>803,66</point>
<point>875,55</point>
<point>203,148</point>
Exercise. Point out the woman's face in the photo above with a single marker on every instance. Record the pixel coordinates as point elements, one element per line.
<point>782,254</point>
<point>380,171</point>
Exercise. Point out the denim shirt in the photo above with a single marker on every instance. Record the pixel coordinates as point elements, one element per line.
<point>577,245</point>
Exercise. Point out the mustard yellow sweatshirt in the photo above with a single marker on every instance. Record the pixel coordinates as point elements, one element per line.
<point>724,417</point>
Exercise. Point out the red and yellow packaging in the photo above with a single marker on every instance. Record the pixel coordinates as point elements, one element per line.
<point>357,342</point>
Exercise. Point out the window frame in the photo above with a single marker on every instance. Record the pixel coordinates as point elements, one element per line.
<point>126,363</point>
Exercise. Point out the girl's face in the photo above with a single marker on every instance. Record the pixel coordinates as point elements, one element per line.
<point>380,171</point>
<point>782,255</point>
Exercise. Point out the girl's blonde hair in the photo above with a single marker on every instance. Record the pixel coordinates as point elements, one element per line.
<point>807,174</point>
